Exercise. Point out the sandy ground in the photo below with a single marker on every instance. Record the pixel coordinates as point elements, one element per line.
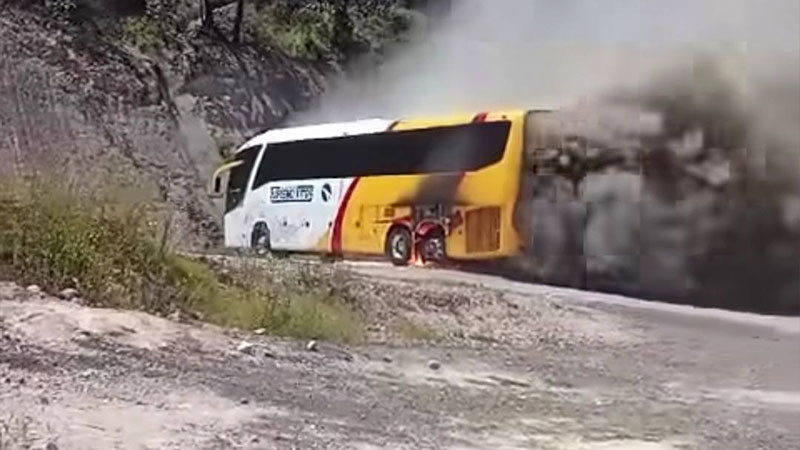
<point>575,370</point>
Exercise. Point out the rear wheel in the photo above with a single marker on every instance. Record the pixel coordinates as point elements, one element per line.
<point>432,247</point>
<point>399,246</point>
<point>260,242</point>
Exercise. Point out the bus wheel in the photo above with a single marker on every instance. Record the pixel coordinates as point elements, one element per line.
<point>432,247</point>
<point>260,239</point>
<point>399,246</point>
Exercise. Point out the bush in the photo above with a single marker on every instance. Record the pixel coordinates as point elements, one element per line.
<point>116,254</point>
<point>143,32</point>
<point>301,31</point>
<point>312,30</point>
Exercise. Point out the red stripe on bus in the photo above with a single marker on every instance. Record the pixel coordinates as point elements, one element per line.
<point>480,118</point>
<point>336,235</point>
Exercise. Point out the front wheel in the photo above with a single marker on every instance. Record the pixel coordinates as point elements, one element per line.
<point>399,246</point>
<point>260,241</point>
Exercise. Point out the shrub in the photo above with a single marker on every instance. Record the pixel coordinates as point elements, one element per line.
<point>115,253</point>
<point>312,30</point>
<point>304,31</point>
<point>143,32</point>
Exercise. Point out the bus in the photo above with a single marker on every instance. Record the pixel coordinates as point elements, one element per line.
<point>418,189</point>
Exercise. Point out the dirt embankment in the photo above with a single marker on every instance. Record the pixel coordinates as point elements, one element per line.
<point>504,369</point>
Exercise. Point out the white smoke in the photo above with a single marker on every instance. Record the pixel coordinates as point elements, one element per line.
<point>543,53</point>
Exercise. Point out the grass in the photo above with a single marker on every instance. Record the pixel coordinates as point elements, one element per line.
<point>414,331</point>
<point>116,253</point>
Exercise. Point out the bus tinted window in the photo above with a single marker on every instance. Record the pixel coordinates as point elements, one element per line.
<point>433,150</point>
<point>239,175</point>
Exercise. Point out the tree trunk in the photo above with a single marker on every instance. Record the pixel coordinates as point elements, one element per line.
<point>237,24</point>
<point>206,13</point>
<point>342,27</point>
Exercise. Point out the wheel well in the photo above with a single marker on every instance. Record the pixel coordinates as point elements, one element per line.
<point>429,228</point>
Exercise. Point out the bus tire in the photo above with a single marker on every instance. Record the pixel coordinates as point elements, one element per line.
<point>399,245</point>
<point>433,247</point>
<point>260,239</point>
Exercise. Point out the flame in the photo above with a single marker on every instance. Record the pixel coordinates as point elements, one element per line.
<point>417,261</point>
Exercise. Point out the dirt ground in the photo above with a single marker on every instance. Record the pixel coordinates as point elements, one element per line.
<point>517,366</point>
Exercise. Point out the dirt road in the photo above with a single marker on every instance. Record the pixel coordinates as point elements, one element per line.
<point>561,369</point>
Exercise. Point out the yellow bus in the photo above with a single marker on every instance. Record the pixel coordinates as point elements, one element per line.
<point>418,189</point>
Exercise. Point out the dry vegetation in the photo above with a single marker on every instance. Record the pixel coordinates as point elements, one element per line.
<point>118,254</point>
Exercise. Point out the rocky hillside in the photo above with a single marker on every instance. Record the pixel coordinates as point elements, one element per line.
<point>151,93</point>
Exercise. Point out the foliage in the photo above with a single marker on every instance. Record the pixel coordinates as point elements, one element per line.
<point>143,32</point>
<point>116,254</point>
<point>316,30</point>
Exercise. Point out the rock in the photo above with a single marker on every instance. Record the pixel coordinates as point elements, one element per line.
<point>175,316</point>
<point>51,446</point>
<point>434,364</point>
<point>34,289</point>
<point>80,301</point>
<point>244,401</point>
<point>247,348</point>
<point>312,346</point>
<point>68,294</point>
<point>260,331</point>
<point>387,359</point>
<point>44,400</point>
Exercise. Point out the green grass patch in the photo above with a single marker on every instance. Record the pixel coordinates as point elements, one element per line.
<point>117,254</point>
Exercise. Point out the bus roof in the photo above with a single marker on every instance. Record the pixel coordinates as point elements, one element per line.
<point>337,129</point>
<point>320,131</point>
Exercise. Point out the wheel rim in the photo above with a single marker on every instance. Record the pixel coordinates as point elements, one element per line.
<point>400,247</point>
<point>433,249</point>
<point>262,244</point>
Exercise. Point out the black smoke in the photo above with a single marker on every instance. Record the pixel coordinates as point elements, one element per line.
<point>673,192</point>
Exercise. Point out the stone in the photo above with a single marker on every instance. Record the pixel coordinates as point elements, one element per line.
<point>260,331</point>
<point>248,348</point>
<point>387,359</point>
<point>175,316</point>
<point>312,346</point>
<point>68,294</point>
<point>34,289</point>
<point>434,364</point>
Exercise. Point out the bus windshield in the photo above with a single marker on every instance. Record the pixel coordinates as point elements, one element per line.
<point>239,176</point>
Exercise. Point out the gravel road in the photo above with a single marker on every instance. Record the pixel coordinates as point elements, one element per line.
<point>549,368</point>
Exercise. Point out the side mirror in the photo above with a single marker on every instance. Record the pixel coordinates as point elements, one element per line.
<point>216,188</point>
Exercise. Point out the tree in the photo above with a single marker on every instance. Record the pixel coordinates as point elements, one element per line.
<point>237,24</point>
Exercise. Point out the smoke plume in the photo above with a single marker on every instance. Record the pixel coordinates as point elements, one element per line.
<point>682,117</point>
